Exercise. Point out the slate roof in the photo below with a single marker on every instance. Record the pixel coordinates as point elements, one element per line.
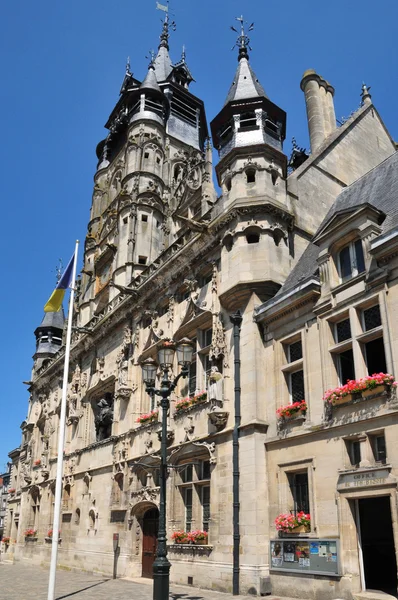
<point>53,319</point>
<point>163,65</point>
<point>245,84</point>
<point>378,187</point>
<point>150,81</point>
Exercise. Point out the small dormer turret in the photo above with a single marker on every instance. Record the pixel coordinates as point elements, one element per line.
<point>49,336</point>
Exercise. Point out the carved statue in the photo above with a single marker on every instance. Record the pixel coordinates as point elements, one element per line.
<point>215,384</point>
<point>104,418</point>
<point>25,471</point>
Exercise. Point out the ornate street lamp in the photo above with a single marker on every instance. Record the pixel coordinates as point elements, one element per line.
<point>166,352</point>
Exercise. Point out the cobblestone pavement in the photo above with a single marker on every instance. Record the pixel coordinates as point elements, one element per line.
<point>24,581</point>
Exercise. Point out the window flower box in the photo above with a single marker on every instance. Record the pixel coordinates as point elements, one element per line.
<point>6,541</point>
<point>30,533</point>
<point>11,490</point>
<point>151,417</point>
<point>292,410</point>
<point>50,533</point>
<point>379,389</point>
<point>188,402</point>
<point>37,463</point>
<point>180,537</point>
<point>288,523</point>
<point>366,386</point>
<point>197,537</point>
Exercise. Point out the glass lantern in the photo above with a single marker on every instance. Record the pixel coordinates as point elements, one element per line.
<point>166,355</point>
<point>149,368</point>
<point>185,352</point>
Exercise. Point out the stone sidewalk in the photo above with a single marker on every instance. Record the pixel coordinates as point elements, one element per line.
<point>24,581</point>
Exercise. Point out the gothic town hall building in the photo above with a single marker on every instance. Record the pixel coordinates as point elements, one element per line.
<point>295,265</point>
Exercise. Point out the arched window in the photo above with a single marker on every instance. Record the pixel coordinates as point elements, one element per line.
<point>77,516</point>
<point>251,176</point>
<point>177,173</point>
<point>252,237</point>
<point>350,260</point>
<point>91,519</point>
<point>66,499</point>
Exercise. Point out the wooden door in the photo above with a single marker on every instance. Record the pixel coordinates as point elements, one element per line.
<point>149,543</point>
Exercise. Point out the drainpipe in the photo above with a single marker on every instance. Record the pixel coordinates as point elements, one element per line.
<point>236,320</point>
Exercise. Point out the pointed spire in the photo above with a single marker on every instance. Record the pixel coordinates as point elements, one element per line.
<point>245,84</point>
<point>366,97</point>
<point>163,64</point>
<point>150,82</point>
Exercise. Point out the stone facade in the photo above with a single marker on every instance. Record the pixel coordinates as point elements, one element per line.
<point>165,258</point>
<point>4,491</point>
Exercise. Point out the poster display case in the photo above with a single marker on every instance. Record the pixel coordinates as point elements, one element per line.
<point>305,556</point>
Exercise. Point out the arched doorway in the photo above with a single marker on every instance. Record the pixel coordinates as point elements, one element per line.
<point>150,526</point>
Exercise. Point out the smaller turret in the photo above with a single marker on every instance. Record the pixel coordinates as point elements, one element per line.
<point>148,101</point>
<point>49,336</point>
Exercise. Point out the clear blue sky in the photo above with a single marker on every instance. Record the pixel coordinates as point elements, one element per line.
<point>61,67</point>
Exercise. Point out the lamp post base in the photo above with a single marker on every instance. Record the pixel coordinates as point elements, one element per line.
<point>161,578</point>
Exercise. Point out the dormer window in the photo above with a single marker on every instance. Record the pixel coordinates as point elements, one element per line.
<point>351,261</point>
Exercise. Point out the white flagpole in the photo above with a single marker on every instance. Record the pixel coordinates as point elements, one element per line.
<point>61,439</point>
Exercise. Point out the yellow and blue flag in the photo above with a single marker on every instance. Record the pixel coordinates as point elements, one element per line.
<point>54,304</point>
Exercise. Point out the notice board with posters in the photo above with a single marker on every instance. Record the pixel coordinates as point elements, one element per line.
<point>303,555</point>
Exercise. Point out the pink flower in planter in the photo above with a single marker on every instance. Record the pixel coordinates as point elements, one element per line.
<point>151,416</point>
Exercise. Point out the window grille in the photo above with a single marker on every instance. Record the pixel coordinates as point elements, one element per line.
<point>300,492</point>
<point>343,330</point>
<point>295,351</point>
<point>372,317</point>
<point>188,509</point>
<point>205,508</point>
<point>297,386</point>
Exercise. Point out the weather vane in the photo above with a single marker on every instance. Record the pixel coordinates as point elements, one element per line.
<point>243,41</point>
<point>58,269</point>
<point>151,57</point>
<point>166,8</point>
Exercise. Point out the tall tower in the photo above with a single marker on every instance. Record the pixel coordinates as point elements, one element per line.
<point>153,172</point>
<point>249,132</point>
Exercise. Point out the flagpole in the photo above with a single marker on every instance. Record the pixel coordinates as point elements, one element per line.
<point>61,439</point>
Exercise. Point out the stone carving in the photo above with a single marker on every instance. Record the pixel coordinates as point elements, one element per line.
<point>123,368</point>
<point>78,382</point>
<point>189,429</point>
<point>87,478</point>
<point>169,437</point>
<point>100,366</point>
<point>154,322</point>
<point>219,419</point>
<point>104,417</point>
<point>218,346</point>
<point>192,286</point>
<point>170,310</point>
<point>146,494</point>
<point>215,386</point>
<point>148,443</point>
<point>120,455</point>
<point>25,471</point>
<point>210,447</point>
